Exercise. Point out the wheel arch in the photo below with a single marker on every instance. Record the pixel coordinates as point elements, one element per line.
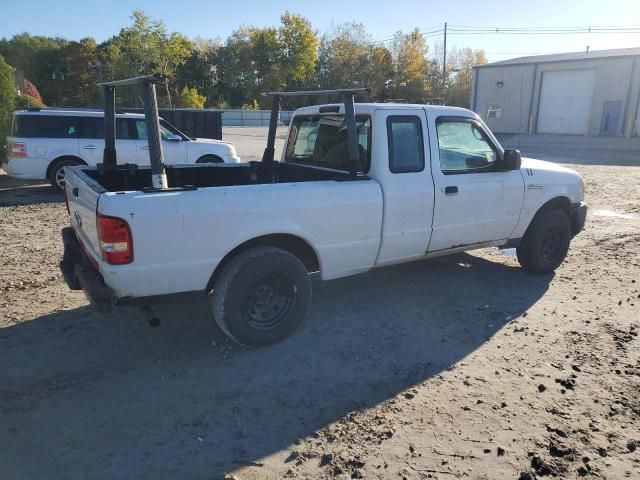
<point>62,158</point>
<point>202,158</point>
<point>560,202</point>
<point>293,244</point>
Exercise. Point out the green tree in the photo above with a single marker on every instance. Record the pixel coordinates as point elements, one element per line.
<point>201,68</point>
<point>299,54</point>
<point>144,48</point>
<point>80,83</point>
<point>7,99</point>
<point>40,60</point>
<point>190,98</point>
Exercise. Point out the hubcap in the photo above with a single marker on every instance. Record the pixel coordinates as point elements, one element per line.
<point>268,302</point>
<point>551,243</point>
<point>60,178</point>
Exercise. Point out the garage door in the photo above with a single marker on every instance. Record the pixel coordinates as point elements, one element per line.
<point>566,99</point>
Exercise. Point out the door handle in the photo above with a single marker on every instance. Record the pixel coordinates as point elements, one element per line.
<point>146,147</point>
<point>450,190</point>
<point>89,147</point>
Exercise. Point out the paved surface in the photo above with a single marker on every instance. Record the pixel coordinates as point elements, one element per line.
<point>251,141</point>
<point>576,149</point>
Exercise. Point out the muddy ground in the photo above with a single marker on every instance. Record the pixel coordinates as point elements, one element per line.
<point>459,367</point>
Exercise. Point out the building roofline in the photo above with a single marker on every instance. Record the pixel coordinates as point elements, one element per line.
<point>540,59</point>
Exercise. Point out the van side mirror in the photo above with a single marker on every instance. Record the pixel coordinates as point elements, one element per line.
<point>511,160</point>
<point>173,138</point>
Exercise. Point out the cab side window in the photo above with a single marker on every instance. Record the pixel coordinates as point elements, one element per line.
<point>406,148</point>
<point>464,147</point>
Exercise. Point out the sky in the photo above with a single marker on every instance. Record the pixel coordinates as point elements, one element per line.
<point>217,19</point>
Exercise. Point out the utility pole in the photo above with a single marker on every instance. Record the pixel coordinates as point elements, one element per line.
<point>444,62</point>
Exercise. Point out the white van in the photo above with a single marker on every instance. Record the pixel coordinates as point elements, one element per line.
<point>44,141</point>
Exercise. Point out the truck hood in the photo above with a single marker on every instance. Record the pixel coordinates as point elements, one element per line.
<point>209,140</point>
<point>549,175</point>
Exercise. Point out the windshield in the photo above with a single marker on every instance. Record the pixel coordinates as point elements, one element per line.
<point>321,140</point>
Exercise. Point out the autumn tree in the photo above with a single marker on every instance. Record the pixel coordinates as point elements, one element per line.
<point>411,67</point>
<point>460,78</point>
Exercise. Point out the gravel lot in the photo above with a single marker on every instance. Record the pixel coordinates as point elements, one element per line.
<point>458,367</point>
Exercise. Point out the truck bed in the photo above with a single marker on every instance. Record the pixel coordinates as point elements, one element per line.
<point>181,234</point>
<point>131,177</point>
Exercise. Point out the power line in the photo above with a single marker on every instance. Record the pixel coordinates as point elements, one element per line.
<point>483,30</point>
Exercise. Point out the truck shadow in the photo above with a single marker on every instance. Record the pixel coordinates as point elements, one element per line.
<point>105,396</point>
<point>26,192</point>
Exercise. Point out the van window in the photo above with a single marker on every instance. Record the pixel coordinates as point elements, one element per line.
<point>321,140</point>
<point>45,126</point>
<point>141,129</point>
<point>93,127</point>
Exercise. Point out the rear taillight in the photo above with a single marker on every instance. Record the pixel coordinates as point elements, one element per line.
<point>18,150</point>
<point>114,237</point>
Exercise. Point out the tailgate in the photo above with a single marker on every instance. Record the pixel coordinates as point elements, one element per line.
<point>83,194</point>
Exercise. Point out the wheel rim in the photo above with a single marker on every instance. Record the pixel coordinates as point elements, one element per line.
<point>268,302</point>
<point>551,243</point>
<point>60,178</point>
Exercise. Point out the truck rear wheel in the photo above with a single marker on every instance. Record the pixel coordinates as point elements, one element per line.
<point>546,242</point>
<point>261,296</point>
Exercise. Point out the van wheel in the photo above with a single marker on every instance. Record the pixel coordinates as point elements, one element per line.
<point>56,174</point>
<point>261,296</point>
<point>210,159</point>
<point>546,243</point>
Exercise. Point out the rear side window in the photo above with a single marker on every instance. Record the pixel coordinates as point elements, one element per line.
<point>45,126</point>
<point>406,148</point>
<point>93,127</point>
<point>321,140</point>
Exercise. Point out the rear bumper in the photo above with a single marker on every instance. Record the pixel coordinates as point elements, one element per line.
<point>80,274</point>
<point>578,217</point>
<point>28,168</point>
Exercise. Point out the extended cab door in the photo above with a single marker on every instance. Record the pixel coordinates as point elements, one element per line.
<point>401,165</point>
<point>475,202</point>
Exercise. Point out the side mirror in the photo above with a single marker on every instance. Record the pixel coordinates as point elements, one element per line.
<point>173,138</point>
<point>511,160</point>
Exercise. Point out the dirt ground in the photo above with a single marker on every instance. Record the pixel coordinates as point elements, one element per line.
<point>458,367</point>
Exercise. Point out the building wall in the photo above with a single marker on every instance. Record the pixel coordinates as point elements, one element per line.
<point>617,79</point>
<point>513,96</point>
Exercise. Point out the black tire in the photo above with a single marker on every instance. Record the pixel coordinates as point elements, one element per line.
<point>210,159</point>
<point>261,296</point>
<point>546,242</point>
<point>56,173</point>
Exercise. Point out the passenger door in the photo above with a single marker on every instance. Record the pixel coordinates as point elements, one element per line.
<point>174,151</point>
<point>406,183</point>
<point>475,202</point>
<point>92,141</point>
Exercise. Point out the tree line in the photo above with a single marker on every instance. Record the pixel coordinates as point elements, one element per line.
<point>233,73</point>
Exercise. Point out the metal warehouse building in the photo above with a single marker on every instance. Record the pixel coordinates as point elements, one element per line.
<point>588,93</point>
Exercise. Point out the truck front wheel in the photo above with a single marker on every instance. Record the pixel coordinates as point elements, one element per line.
<point>546,242</point>
<point>261,296</point>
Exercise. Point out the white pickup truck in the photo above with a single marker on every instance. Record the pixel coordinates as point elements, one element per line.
<point>431,180</point>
